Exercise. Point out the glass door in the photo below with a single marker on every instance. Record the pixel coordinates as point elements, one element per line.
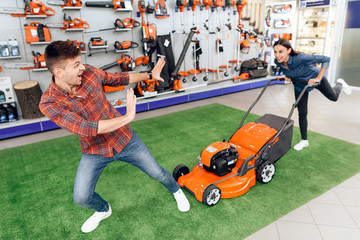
<point>348,65</point>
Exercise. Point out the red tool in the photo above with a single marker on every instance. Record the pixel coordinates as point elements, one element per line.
<point>181,4</point>
<point>282,8</point>
<point>147,86</point>
<point>115,4</point>
<point>81,45</point>
<point>240,7</point>
<point>219,3</point>
<point>75,23</point>
<point>161,9</point>
<point>37,32</point>
<point>144,60</point>
<point>32,8</point>
<point>125,45</point>
<point>126,23</point>
<point>228,169</point>
<point>149,29</point>
<point>66,3</point>
<point>126,63</point>
<point>38,62</point>
<point>207,4</point>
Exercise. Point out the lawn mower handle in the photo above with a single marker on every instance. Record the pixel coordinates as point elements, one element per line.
<point>257,99</point>
<point>270,143</point>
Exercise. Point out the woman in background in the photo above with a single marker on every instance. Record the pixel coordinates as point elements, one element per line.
<point>296,65</point>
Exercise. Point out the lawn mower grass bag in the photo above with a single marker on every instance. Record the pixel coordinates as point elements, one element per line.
<point>255,67</point>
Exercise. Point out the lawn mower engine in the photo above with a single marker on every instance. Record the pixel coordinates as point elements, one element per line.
<point>219,158</point>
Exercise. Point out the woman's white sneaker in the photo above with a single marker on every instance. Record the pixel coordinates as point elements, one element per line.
<point>302,144</point>
<point>92,223</point>
<point>345,87</point>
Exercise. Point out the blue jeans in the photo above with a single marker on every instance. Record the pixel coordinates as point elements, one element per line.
<point>91,166</point>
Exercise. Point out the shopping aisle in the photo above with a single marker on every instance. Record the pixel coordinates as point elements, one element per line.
<point>335,214</point>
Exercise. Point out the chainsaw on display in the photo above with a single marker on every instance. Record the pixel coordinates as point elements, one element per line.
<point>127,23</point>
<point>115,4</point>
<point>38,63</point>
<point>124,45</point>
<point>69,23</point>
<point>32,8</point>
<point>79,44</point>
<point>66,3</point>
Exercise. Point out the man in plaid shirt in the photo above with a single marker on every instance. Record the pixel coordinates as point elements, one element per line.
<point>76,102</point>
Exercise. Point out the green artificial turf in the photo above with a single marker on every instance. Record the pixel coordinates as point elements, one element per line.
<point>37,181</point>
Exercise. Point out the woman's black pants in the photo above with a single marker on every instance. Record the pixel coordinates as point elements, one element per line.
<point>325,88</point>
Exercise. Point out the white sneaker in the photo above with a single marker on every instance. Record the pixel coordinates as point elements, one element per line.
<point>181,200</point>
<point>345,87</point>
<point>302,144</point>
<point>92,223</point>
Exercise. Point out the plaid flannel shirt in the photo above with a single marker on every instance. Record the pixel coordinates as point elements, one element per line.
<point>81,114</point>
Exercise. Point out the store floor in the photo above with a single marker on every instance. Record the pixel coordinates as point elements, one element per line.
<point>333,215</point>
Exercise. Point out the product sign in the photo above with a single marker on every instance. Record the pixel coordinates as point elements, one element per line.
<point>6,90</point>
<point>313,3</point>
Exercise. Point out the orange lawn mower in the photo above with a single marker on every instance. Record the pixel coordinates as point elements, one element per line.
<point>230,169</point>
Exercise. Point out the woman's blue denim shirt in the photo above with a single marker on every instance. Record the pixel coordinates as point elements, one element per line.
<point>300,67</point>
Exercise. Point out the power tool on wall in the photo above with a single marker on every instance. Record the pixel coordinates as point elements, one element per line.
<point>115,4</point>
<point>66,3</point>
<point>32,8</point>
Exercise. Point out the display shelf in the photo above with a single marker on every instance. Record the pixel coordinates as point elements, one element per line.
<point>36,16</point>
<point>123,10</point>
<point>74,30</point>
<point>24,126</point>
<point>71,8</point>
<point>40,69</point>
<point>121,51</point>
<point>122,29</point>
<point>39,43</point>
<point>10,57</point>
<point>312,27</point>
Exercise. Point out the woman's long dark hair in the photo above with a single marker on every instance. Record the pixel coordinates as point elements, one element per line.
<point>285,43</point>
